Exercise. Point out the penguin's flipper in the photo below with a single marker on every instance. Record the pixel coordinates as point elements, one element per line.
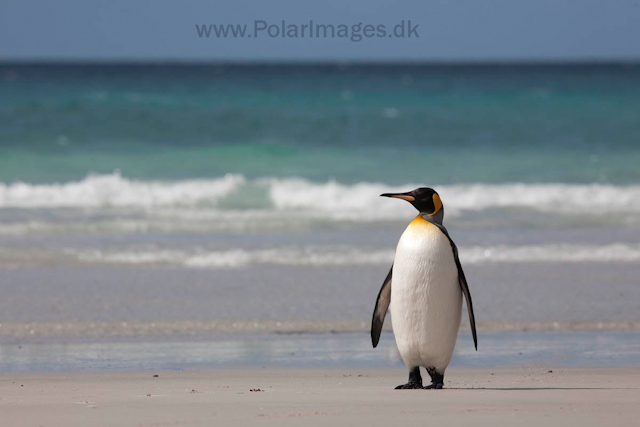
<point>382,305</point>
<point>463,284</point>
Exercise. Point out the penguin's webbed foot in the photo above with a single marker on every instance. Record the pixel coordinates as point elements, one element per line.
<point>415,380</point>
<point>437,379</point>
<point>409,386</point>
<point>434,386</point>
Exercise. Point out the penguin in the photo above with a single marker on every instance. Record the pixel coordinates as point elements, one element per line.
<point>424,290</point>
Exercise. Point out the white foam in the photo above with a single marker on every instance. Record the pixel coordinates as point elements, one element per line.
<point>616,252</point>
<point>234,200</point>
<point>306,256</point>
<point>318,256</point>
<point>338,201</point>
<point>349,200</point>
<point>114,190</point>
<point>588,199</point>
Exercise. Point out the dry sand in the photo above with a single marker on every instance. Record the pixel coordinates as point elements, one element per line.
<point>336,397</point>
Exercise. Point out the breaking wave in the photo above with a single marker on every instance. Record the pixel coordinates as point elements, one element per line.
<point>330,200</point>
<point>116,191</point>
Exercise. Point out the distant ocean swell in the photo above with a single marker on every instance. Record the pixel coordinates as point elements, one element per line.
<point>330,200</point>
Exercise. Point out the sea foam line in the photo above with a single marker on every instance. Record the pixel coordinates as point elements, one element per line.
<point>322,256</point>
<point>105,330</point>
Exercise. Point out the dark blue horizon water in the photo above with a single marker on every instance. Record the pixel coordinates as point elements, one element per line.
<point>441,124</point>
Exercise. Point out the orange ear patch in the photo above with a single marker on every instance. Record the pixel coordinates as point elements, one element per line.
<point>437,203</point>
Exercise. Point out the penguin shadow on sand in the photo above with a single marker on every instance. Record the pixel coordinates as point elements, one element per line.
<point>538,388</point>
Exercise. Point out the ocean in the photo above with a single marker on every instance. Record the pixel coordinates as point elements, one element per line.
<point>163,202</point>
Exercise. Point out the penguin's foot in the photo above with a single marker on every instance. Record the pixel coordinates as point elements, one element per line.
<point>415,380</point>
<point>434,386</point>
<point>409,386</point>
<point>437,379</point>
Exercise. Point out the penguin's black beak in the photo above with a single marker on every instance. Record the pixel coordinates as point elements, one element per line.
<point>404,196</point>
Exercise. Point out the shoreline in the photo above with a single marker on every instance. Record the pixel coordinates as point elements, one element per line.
<point>88,331</point>
<point>329,350</point>
<point>482,397</point>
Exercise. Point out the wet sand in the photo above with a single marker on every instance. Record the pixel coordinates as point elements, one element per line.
<point>340,397</point>
<point>523,292</point>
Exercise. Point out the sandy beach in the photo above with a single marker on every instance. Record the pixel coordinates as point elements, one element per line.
<point>338,397</point>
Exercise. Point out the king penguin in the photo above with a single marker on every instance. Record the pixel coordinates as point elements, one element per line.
<point>424,290</point>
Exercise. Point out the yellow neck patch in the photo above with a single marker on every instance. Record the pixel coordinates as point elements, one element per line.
<point>419,222</point>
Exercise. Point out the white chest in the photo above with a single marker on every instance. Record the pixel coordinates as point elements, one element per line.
<point>424,258</point>
<point>426,299</point>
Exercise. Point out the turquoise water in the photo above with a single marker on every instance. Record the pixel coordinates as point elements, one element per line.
<point>164,147</point>
<point>393,124</point>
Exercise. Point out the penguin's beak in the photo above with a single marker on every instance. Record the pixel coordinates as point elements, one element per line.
<point>403,196</point>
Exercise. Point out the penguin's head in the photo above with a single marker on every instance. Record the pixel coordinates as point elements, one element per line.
<point>425,199</point>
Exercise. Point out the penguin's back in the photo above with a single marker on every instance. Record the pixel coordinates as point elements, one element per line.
<point>426,300</point>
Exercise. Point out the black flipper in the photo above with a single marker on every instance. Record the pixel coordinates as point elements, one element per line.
<point>463,284</point>
<point>382,305</point>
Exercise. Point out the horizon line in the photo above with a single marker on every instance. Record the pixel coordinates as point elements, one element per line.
<point>320,62</point>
